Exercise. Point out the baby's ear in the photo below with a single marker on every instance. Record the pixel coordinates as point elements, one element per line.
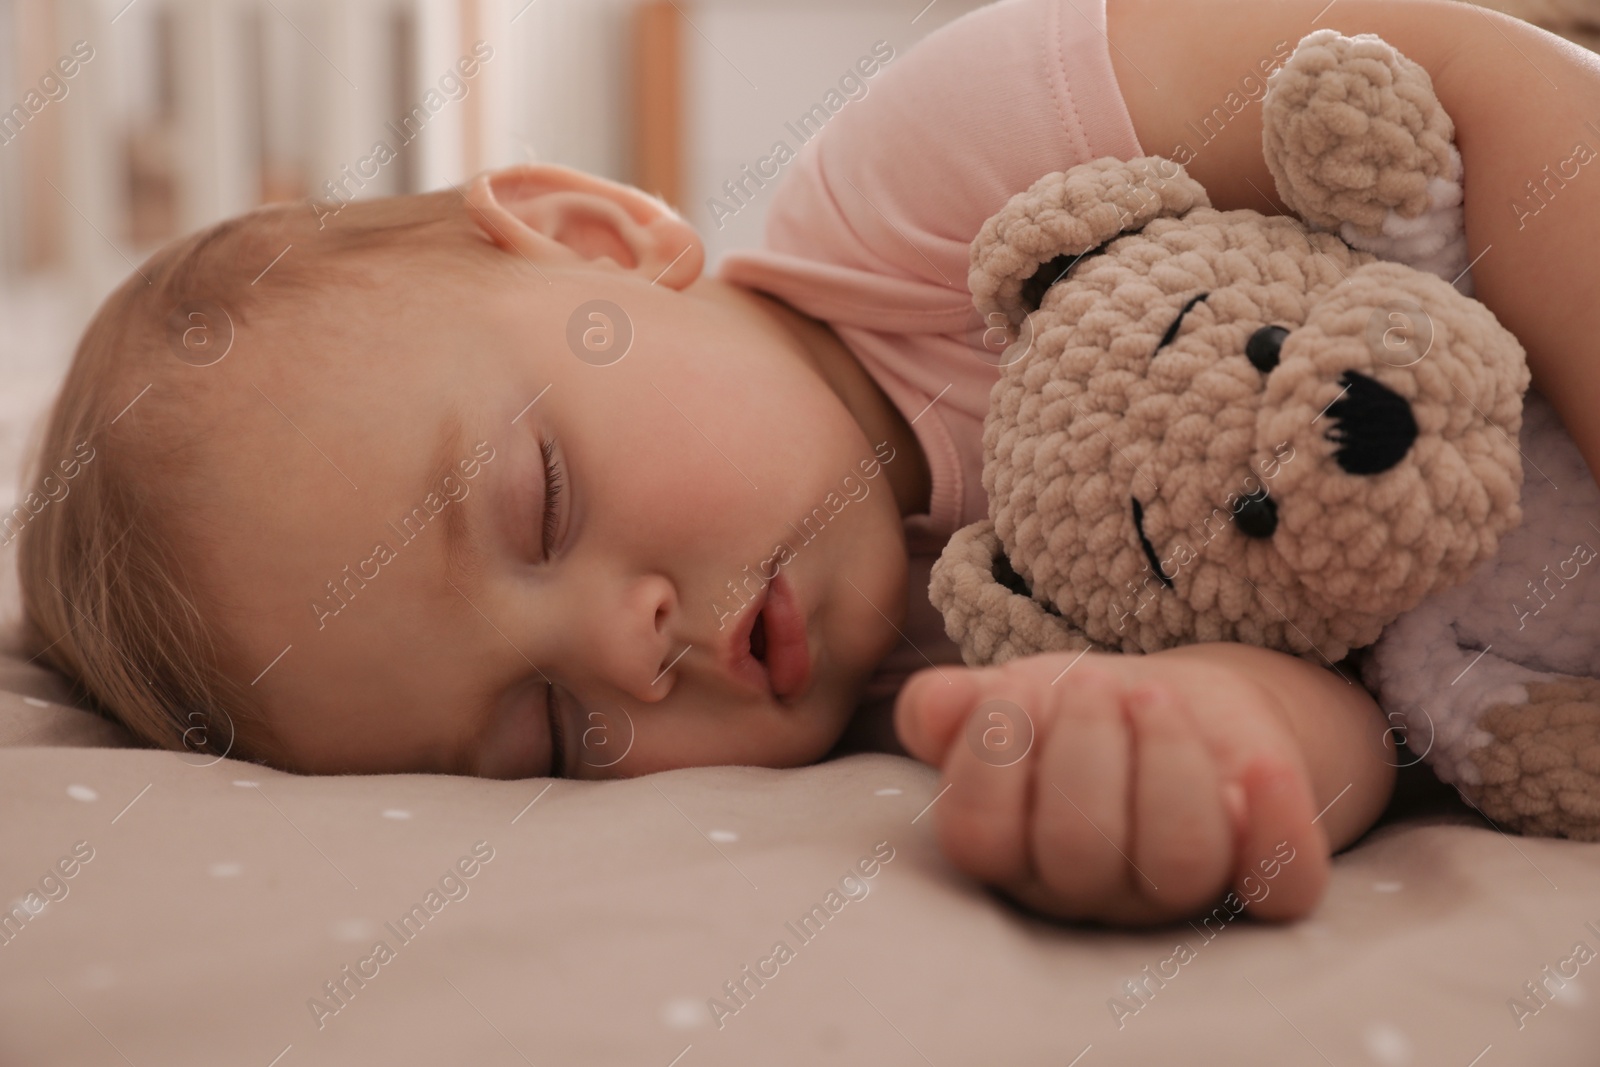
<point>554,214</point>
<point>1041,231</point>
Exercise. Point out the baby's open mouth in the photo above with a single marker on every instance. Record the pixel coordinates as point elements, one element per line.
<point>773,656</point>
<point>758,637</point>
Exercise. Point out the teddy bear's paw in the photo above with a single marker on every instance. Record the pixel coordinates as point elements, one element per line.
<point>1540,772</point>
<point>1436,691</point>
<point>989,620</point>
<point>1434,241</point>
<point>1032,241</point>
<point>1352,131</point>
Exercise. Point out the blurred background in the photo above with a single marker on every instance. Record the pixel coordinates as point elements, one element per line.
<point>132,121</point>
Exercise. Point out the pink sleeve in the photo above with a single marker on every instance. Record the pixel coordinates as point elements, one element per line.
<point>870,224</point>
<point>897,184</point>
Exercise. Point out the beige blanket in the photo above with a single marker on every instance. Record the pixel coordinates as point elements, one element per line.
<point>226,913</point>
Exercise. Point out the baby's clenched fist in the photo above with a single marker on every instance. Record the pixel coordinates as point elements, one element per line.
<point>1126,789</point>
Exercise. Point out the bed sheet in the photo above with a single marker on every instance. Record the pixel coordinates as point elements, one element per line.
<point>224,912</point>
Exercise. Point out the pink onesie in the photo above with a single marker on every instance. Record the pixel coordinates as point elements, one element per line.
<point>869,228</point>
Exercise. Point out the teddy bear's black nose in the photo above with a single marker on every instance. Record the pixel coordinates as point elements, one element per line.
<point>1374,425</point>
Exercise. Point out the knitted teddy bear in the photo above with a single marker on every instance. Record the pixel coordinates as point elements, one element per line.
<point>1224,426</point>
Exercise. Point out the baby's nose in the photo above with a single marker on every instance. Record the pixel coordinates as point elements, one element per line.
<point>633,644</point>
<point>1373,425</point>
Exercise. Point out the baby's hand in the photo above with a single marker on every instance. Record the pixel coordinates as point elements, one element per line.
<point>1129,789</point>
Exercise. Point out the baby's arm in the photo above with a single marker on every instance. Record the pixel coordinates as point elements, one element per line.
<point>1522,100</point>
<point>1081,801</point>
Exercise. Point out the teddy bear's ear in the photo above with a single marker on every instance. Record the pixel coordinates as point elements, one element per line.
<point>1352,132</point>
<point>1032,241</point>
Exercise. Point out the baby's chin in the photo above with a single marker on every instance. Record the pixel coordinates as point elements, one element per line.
<point>839,701</point>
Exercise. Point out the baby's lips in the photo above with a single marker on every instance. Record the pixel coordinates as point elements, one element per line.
<point>931,709</point>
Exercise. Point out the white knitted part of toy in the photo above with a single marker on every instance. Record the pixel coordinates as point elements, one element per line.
<point>1434,241</point>
<point>1529,611</point>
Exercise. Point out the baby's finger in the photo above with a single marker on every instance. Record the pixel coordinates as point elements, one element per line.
<point>1080,795</point>
<point>930,710</point>
<point>983,820</point>
<point>1283,863</point>
<point>1182,836</point>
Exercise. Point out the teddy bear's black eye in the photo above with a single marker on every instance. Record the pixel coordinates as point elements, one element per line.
<point>1257,515</point>
<point>1262,348</point>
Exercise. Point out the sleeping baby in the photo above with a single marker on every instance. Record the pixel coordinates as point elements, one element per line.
<point>499,481</point>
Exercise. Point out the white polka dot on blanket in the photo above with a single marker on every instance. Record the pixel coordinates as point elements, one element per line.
<point>1386,887</point>
<point>891,791</point>
<point>1387,1043</point>
<point>36,702</point>
<point>723,836</point>
<point>396,814</point>
<point>684,1013</point>
<point>225,870</point>
<point>83,793</point>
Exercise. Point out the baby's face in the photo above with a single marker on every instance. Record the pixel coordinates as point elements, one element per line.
<point>472,533</point>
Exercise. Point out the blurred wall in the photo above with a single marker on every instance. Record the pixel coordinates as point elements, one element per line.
<point>133,121</point>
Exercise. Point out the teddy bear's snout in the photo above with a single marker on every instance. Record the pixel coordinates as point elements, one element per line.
<point>1373,425</point>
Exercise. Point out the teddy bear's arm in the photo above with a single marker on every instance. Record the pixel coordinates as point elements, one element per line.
<point>991,623</point>
<point>1522,746</point>
<point>1193,75</point>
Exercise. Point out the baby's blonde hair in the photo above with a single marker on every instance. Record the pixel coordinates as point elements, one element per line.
<point>107,564</point>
